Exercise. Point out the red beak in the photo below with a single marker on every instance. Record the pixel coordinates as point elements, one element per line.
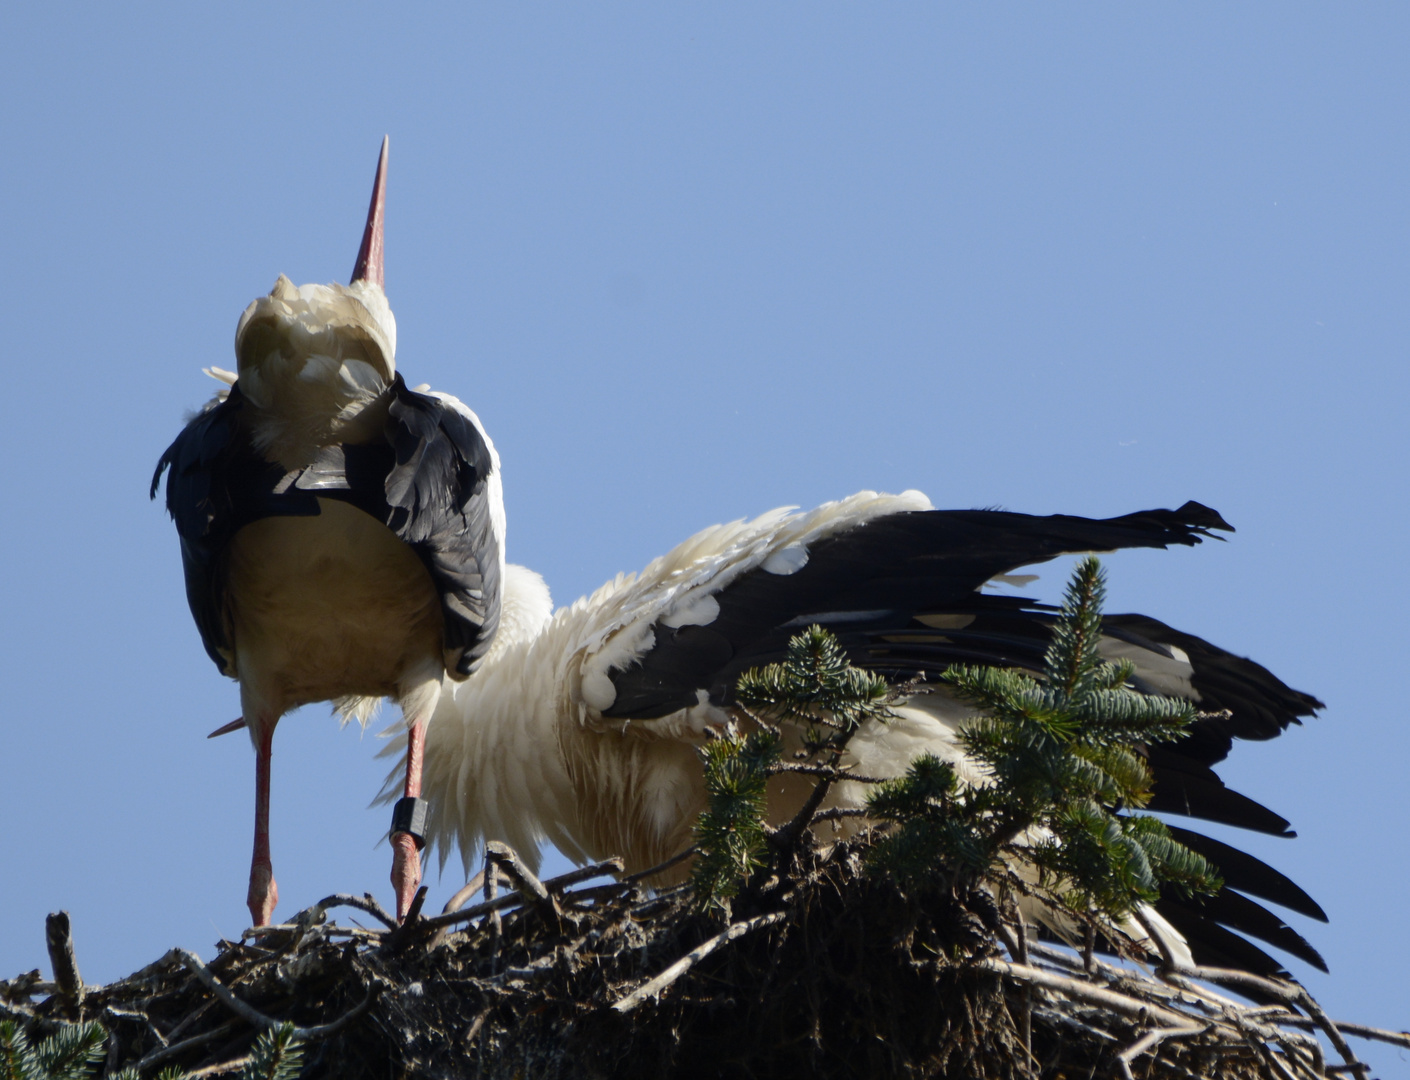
<point>369,256</point>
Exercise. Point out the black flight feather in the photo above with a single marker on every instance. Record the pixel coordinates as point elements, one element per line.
<point>902,594</point>
<point>425,480</point>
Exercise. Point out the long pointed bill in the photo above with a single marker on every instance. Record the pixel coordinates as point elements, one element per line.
<point>369,256</point>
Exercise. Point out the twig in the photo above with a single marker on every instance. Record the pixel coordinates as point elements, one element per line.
<point>476,1025</point>
<point>58,936</point>
<point>828,772</point>
<point>611,891</point>
<point>689,960</point>
<point>661,868</point>
<point>491,894</point>
<point>186,1021</point>
<point>124,1014</point>
<point>254,1016</point>
<point>156,1057</point>
<point>584,873</point>
<point>1325,1022</point>
<point>362,903</point>
<point>511,899</point>
<point>1020,953</point>
<point>532,888</point>
<point>469,889</point>
<point>223,1067</point>
<point>1290,993</point>
<point>1153,1038</point>
<point>1361,1031</point>
<point>787,835</point>
<point>15,1011</point>
<point>411,925</point>
<point>152,971</point>
<point>1148,1003</point>
<point>21,986</point>
<point>455,903</point>
<point>1127,1006</point>
<point>1274,988</point>
<point>839,812</point>
<point>1256,1044</point>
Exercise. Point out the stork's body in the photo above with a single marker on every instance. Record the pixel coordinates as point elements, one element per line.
<point>581,725</point>
<point>342,535</point>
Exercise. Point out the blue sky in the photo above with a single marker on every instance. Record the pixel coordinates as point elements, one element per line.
<point>689,263</point>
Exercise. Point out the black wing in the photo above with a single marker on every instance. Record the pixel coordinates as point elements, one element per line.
<point>428,479</point>
<point>218,485</point>
<point>443,500</point>
<point>902,595</point>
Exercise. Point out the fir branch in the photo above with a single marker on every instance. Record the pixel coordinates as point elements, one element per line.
<point>71,1052</point>
<point>1072,660</point>
<point>730,834</point>
<point>18,1060</point>
<point>815,688</point>
<point>277,1055</point>
<point>1061,759</point>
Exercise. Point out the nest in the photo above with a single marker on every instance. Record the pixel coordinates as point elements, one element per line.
<point>823,970</point>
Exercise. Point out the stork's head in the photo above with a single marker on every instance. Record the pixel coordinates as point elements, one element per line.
<point>316,354</point>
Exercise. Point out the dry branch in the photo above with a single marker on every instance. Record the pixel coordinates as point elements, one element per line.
<point>626,983</point>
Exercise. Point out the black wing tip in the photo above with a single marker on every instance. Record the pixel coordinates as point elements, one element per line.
<point>1189,524</point>
<point>1228,920</point>
<point>1204,517</point>
<point>162,464</point>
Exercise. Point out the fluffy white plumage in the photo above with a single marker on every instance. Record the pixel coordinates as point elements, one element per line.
<point>521,751</point>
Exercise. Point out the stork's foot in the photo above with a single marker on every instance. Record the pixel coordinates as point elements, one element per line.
<point>263,894</point>
<point>406,871</point>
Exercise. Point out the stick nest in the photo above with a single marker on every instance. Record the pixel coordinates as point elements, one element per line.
<point>828,972</point>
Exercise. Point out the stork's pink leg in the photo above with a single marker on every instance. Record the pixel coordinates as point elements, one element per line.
<point>264,893</point>
<point>406,858</point>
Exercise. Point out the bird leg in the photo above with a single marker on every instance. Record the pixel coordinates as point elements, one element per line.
<point>420,692</point>
<point>406,850</point>
<point>264,893</point>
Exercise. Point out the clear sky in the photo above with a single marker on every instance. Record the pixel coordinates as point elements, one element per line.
<point>688,263</point>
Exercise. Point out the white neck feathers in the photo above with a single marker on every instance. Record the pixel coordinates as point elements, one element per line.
<point>311,360</point>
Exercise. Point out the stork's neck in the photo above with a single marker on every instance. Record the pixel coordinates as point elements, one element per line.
<point>301,411</point>
<point>315,364</point>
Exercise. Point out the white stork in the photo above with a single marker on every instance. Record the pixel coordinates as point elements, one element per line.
<point>580,726</point>
<point>343,539</point>
<point>342,535</point>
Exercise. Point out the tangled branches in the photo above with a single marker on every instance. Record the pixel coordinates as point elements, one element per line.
<point>836,972</point>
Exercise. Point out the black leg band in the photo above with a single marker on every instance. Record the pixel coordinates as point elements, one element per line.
<point>409,816</point>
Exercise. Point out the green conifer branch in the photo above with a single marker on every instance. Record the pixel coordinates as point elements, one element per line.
<point>71,1052</point>
<point>731,834</point>
<point>1061,762</point>
<point>276,1055</point>
<point>17,1059</point>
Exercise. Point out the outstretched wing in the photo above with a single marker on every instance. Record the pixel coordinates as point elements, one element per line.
<point>903,593</point>
<point>433,479</point>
